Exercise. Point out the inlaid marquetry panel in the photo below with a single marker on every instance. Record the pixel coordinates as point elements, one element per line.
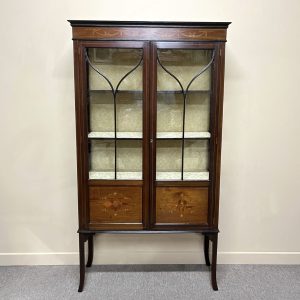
<point>182,205</point>
<point>151,33</point>
<point>115,204</point>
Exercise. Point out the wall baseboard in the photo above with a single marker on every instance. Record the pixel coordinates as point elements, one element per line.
<point>149,257</point>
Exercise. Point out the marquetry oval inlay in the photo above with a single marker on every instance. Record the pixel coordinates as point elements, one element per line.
<point>181,205</point>
<point>184,205</point>
<point>109,204</point>
<point>116,202</point>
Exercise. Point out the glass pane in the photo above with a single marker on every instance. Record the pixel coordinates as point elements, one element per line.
<point>115,93</point>
<point>197,113</point>
<point>129,114</point>
<point>184,64</point>
<point>169,114</point>
<point>102,159</point>
<point>102,112</point>
<point>168,160</point>
<point>183,113</point>
<point>196,160</point>
<point>115,83</point>
<point>129,160</point>
<point>114,64</point>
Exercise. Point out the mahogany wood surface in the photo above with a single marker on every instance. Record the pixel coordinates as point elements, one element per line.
<point>131,33</point>
<point>148,205</point>
<point>115,204</point>
<point>181,205</point>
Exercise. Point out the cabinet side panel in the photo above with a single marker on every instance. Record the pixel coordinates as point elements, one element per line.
<point>78,76</point>
<point>220,92</point>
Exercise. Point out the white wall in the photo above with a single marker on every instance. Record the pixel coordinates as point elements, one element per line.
<point>259,212</point>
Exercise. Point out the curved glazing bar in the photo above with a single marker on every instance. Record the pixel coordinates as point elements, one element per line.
<point>115,109</point>
<point>114,92</point>
<point>185,93</point>
<point>202,71</point>
<point>166,70</point>
<point>128,73</point>
<point>96,70</point>
<point>184,106</point>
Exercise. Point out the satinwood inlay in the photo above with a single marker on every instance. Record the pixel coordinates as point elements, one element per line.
<point>115,202</point>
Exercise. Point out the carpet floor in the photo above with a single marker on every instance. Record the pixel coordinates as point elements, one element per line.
<point>145,282</point>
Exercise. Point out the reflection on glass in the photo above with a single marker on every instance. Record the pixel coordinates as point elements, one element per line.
<point>169,112</point>
<point>115,90</point>
<point>102,161</point>
<point>102,112</point>
<point>129,159</point>
<point>184,65</point>
<point>130,112</point>
<point>196,160</point>
<point>183,113</point>
<point>114,64</point>
<point>197,112</point>
<point>168,159</point>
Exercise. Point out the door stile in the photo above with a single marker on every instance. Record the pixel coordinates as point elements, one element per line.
<point>153,107</point>
<point>146,135</point>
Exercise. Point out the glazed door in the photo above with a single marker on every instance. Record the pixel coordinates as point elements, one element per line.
<point>182,133</point>
<point>116,134</point>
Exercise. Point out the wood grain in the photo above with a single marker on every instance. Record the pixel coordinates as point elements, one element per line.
<point>181,205</point>
<point>151,33</point>
<point>115,204</point>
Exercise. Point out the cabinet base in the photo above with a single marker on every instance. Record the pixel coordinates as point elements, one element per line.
<point>88,236</point>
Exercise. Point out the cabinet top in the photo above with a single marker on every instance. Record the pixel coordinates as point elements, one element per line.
<point>106,23</point>
<point>153,31</point>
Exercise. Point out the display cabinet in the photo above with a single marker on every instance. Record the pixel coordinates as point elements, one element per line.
<point>148,122</point>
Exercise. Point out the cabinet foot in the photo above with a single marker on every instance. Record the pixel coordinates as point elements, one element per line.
<point>83,237</point>
<point>90,250</point>
<point>213,237</point>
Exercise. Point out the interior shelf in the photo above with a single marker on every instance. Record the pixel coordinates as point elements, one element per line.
<point>187,135</point>
<point>180,92</point>
<point>119,91</point>
<point>186,175</point>
<point>159,175</point>
<point>120,175</point>
<point>159,92</point>
<point>139,135</point>
<point>111,135</point>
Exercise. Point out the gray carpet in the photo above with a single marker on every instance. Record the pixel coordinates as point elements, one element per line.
<point>151,282</point>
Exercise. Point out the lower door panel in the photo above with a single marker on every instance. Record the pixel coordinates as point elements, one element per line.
<point>182,205</point>
<point>115,207</point>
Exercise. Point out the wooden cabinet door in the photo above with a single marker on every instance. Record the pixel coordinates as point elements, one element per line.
<point>113,134</point>
<point>183,112</point>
